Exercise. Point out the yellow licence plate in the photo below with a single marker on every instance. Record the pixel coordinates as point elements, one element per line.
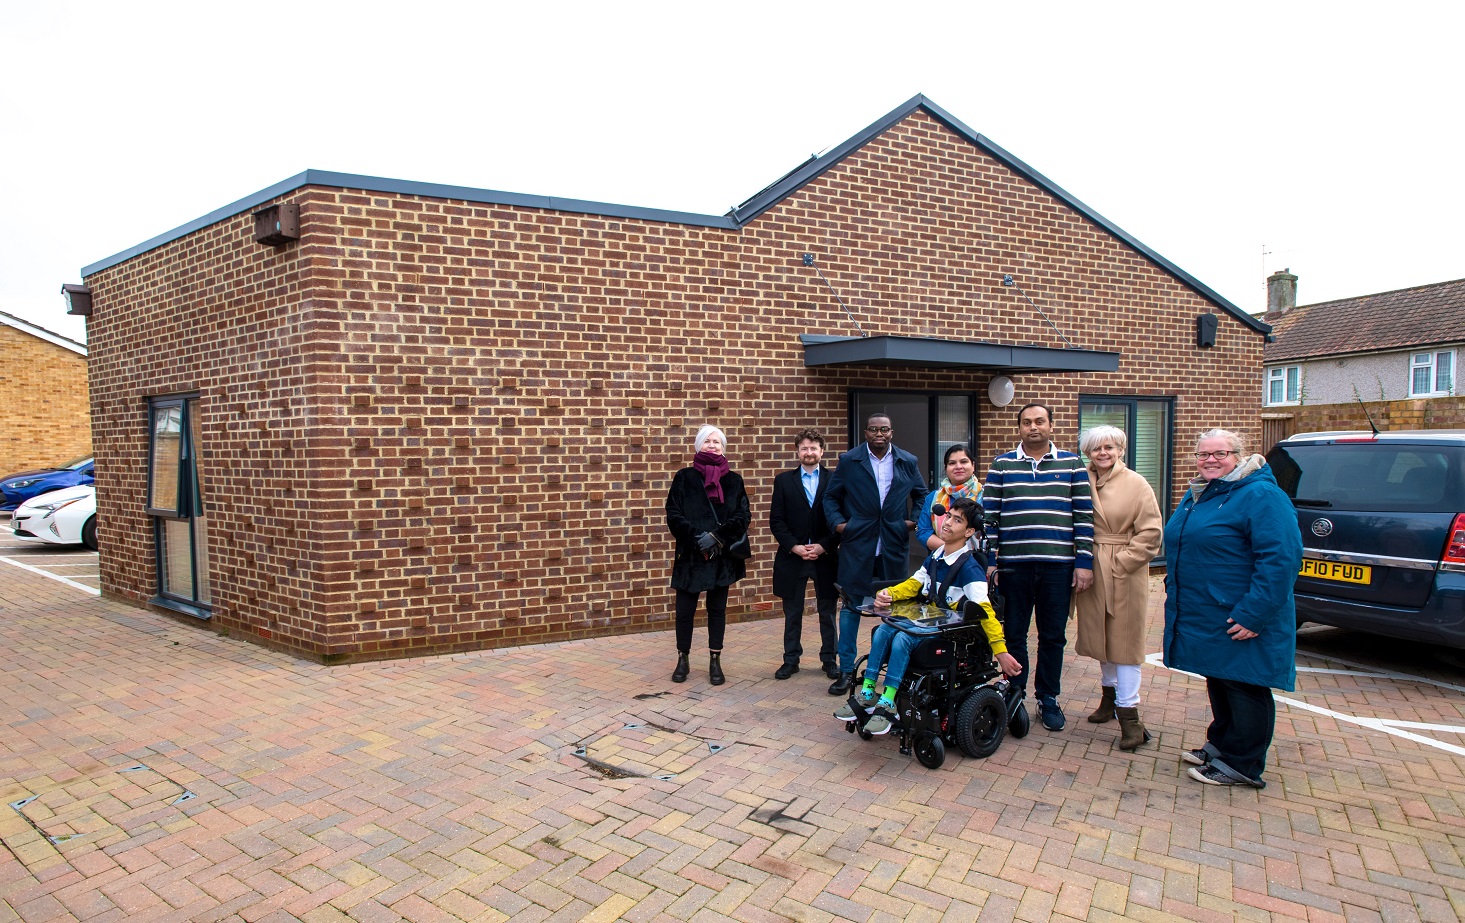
<point>1340,573</point>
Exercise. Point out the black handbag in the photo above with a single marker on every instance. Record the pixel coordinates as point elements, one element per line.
<point>741,549</point>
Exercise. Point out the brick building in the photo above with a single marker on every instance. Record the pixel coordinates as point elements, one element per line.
<point>43,397</point>
<point>446,418</point>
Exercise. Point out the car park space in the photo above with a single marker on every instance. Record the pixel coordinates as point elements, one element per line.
<point>75,565</point>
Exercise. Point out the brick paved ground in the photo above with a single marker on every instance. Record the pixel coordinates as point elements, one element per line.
<point>200,778</point>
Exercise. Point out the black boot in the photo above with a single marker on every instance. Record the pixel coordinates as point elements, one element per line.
<point>843,685</point>
<point>714,669</point>
<point>679,675</point>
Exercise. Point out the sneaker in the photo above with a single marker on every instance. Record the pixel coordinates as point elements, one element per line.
<point>866,700</point>
<point>1051,714</point>
<point>1196,757</point>
<point>1213,775</point>
<point>878,724</point>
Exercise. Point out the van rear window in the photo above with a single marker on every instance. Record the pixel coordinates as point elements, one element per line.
<point>1372,476</point>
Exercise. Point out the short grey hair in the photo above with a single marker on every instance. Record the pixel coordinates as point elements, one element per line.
<point>1099,435</point>
<point>1238,444</point>
<point>707,430</point>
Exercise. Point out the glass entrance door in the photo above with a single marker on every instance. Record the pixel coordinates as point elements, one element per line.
<point>926,424</point>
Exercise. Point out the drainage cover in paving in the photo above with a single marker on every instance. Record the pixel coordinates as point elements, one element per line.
<point>641,750</point>
<point>106,807</point>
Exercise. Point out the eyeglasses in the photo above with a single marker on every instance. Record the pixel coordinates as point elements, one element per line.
<point>1202,456</point>
<point>879,430</point>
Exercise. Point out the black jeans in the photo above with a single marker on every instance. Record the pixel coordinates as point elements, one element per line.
<point>793,627</point>
<point>1244,718</point>
<point>1042,589</point>
<point>716,617</point>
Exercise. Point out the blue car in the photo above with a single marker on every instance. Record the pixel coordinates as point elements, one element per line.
<point>19,488</point>
<point>1383,528</point>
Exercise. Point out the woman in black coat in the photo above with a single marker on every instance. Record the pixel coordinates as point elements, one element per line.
<point>707,511</point>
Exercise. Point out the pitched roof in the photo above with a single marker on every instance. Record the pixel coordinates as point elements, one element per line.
<point>25,326</point>
<point>740,215</point>
<point>1426,315</point>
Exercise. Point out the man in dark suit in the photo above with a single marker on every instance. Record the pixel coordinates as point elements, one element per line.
<point>871,504</point>
<point>806,550</point>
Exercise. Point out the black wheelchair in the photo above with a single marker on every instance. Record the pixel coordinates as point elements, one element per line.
<point>953,693</point>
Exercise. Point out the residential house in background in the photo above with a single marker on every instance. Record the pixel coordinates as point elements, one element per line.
<point>1393,357</point>
<point>357,417</point>
<point>44,408</point>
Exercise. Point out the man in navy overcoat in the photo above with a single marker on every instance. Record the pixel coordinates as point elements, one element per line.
<point>871,503</point>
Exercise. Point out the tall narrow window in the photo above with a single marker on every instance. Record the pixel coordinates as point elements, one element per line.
<point>1146,424</point>
<point>175,501</point>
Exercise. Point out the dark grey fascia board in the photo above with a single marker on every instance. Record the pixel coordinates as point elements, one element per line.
<point>408,187</point>
<point>926,352</point>
<point>771,197</point>
<point>811,171</point>
<point>213,217</point>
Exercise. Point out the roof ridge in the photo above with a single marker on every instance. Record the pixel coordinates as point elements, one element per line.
<point>1392,291</point>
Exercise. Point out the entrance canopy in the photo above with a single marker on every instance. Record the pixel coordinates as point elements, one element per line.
<point>931,353</point>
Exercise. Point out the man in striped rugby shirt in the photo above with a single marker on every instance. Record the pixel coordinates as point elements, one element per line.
<point>1040,537</point>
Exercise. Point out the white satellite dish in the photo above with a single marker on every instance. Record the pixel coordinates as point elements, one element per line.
<point>1000,391</point>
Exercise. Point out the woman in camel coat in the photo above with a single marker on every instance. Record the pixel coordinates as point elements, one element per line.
<point>1111,613</point>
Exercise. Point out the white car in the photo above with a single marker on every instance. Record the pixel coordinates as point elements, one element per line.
<point>62,517</point>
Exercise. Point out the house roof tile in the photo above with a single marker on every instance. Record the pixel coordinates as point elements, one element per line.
<point>1425,315</point>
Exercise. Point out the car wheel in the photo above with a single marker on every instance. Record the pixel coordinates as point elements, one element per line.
<point>89,533</point>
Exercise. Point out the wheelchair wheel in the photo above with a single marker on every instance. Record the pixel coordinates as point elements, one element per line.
<point>1020,724</point>
<point>930,751</point>
<point>981,722</point>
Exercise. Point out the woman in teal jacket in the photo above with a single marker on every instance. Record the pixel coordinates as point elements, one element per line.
<point>1232,551</point>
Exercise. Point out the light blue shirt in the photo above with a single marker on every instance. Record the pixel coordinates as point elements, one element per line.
<point>811,484</point>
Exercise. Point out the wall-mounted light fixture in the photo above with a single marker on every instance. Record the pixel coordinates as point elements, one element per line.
<point>78,300</point>
<point>1000,391</point>
<point>277,225</point>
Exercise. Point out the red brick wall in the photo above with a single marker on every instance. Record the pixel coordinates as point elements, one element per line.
<point>43,403</point>
<point>436,425</point>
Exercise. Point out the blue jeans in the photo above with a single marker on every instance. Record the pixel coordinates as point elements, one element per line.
<point>1040,589</point>
<point>892,648</point>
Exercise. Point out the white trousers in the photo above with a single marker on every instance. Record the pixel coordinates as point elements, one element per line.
<point>1124,677</point>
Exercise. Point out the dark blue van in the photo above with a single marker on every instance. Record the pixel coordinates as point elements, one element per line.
<point>1383,530</point>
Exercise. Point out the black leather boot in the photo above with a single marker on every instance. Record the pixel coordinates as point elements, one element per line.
<point>679,675</point>
<point>843,685</point>
<point>714,669</point>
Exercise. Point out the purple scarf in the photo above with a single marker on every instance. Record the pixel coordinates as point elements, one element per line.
<point>712,468</point>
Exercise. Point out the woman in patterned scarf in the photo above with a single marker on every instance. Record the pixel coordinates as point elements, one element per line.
<point>960,481</point>
<point>707,512</point>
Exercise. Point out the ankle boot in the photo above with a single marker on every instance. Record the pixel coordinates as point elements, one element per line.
<point>1132,730</point>
<point>714,669</point>
<point>679,675</point>
<point>1105,711</point>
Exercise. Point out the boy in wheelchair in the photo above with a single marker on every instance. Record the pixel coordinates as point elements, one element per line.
<point>952,582</point>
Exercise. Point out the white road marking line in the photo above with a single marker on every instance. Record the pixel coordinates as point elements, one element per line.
<point>36,570</point>
<point>1376,723</point>
<point>1387,725</point>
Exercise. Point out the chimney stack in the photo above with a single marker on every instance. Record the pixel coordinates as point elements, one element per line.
<point>1281,292</point>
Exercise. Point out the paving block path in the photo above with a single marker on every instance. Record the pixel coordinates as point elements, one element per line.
<point>163,773</point>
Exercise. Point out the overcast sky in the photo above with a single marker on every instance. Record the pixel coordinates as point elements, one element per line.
<point>1235,139</point>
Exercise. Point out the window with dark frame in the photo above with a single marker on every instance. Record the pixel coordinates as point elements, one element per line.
<point>175,502</point>
<point>1149,425</point>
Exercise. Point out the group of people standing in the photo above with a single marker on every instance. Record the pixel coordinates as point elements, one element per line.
<point>1064,536</point>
